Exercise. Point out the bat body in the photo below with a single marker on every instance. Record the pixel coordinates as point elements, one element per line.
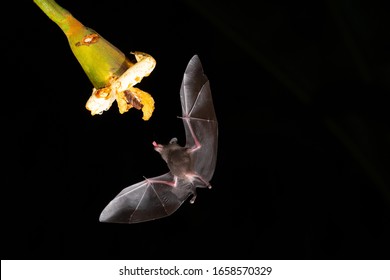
<point>190,167</point>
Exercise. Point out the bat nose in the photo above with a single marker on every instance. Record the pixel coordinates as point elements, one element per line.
<point>157,147</point>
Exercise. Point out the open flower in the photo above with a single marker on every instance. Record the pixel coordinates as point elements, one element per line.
<point>112,74</point>
<point>123,91</point>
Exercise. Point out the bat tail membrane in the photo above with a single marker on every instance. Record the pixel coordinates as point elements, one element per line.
<point>198,182</point>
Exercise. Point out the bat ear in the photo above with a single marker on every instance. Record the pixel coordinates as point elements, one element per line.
<point>173,141</point>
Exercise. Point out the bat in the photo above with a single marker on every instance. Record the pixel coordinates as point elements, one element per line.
<point>190,167</point>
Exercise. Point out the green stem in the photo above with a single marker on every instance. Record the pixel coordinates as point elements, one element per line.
<point>100,60</point>
<point>55,12</point>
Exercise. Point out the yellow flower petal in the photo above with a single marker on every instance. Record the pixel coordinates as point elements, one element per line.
<point>122,90</point>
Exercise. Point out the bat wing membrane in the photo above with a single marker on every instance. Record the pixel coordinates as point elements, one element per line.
<point>150,199</point>
<point>200,121</point>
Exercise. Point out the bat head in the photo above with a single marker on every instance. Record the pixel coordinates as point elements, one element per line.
<point>159,147</point>
<point>164,150</point>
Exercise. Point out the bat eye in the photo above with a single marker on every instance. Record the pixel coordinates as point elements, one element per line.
<point>173,141</point>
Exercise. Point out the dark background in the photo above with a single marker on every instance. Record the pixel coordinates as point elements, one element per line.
<point>301,91</point>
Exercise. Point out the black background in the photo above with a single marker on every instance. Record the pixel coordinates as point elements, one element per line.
<point>301,91</point>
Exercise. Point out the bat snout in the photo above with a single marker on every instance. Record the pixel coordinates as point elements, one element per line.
<point>157,147</point>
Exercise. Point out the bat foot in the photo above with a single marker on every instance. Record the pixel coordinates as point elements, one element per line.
<point>192,200</point>
<point>203,183</point>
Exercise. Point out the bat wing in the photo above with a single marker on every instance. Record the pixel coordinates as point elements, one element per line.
<point>150,199</point>
<point>200,121</point>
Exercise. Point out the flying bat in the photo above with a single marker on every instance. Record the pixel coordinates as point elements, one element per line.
<point>191,166</point>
